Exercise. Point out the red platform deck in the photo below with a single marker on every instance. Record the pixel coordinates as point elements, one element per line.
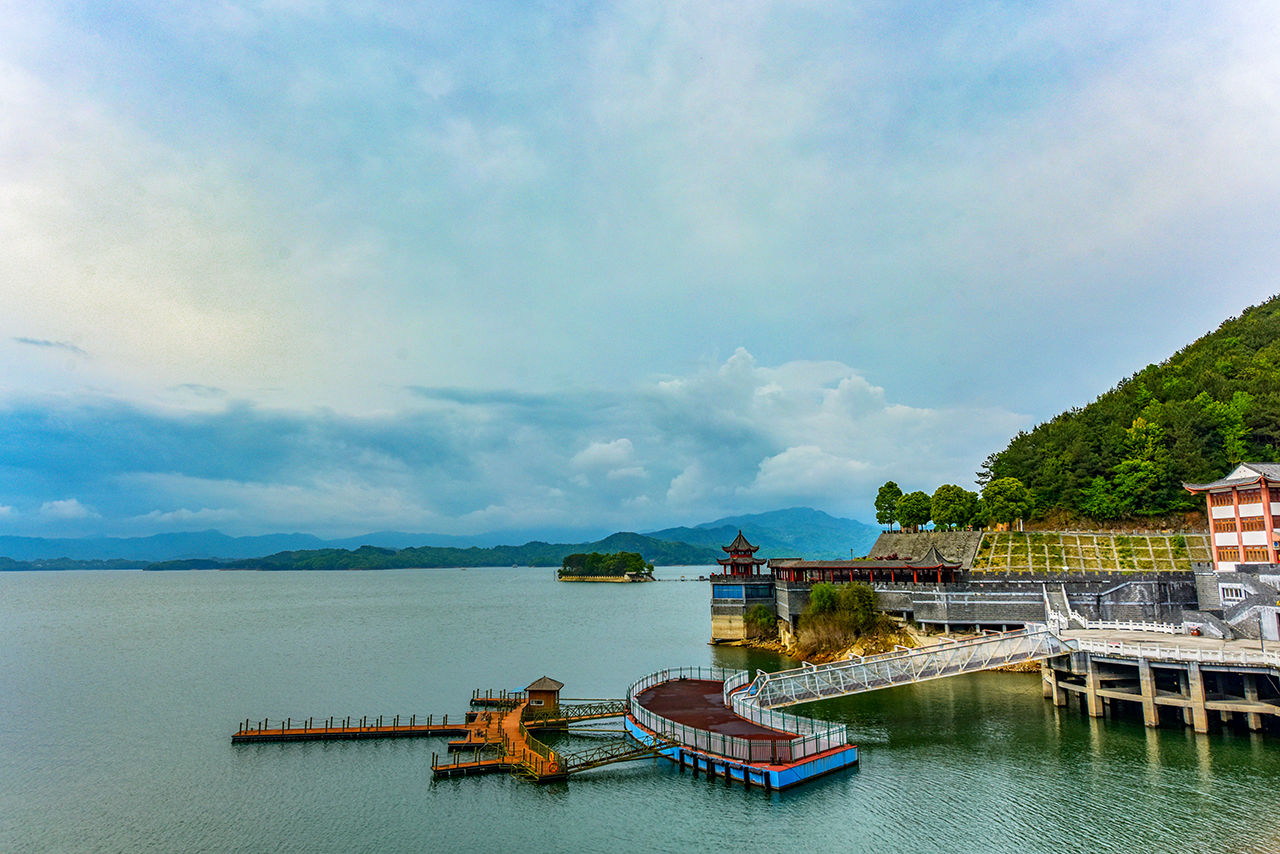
<point>699,703</point>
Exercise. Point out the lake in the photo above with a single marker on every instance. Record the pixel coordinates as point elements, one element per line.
<point>119,692</point>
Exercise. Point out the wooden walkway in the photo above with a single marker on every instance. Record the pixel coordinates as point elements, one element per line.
<point>499,741</point>
<point>495,736</point>
<point>337,729</point>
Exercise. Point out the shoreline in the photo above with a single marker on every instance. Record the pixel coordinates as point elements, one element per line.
<point>607,579</point>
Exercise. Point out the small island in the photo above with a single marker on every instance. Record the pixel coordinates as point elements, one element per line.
<point>617,567</point>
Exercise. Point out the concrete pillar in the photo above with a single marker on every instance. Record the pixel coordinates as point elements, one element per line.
<point>1093,702</point>
<point>1195,684</point>
<point>1253,719</point>
<point>1147,682</point>
<point>1184,688</point>
<point>1049,684</point>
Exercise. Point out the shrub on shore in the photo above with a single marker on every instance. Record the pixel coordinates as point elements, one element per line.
<point>838,616</point>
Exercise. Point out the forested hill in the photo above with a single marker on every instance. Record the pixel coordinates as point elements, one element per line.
<point>530,554</point>
<point>1190,418</point>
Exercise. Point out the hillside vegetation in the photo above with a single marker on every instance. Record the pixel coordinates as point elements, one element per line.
<point>1047,553</point>
<point>1191,418</point>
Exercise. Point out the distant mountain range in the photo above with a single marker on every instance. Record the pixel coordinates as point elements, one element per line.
<point>797,532</point>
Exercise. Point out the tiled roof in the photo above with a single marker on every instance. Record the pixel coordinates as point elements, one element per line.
<point>740,544</point>
<point>1245,474</point>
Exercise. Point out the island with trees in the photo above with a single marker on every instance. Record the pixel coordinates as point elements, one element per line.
<point>615,567</point>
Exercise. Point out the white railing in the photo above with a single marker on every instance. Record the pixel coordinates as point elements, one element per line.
<point>1060,622</point>
<point>839,679</point>
<point>813,736</point>
<point>1179,653</point>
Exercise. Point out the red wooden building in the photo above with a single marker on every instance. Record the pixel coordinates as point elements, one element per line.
<point>742,560</point>
<point>932,567</point>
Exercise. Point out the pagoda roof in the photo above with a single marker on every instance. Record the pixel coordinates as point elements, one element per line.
<point>546,683</point>
<point>740,544</point>
<point>1245,474</point>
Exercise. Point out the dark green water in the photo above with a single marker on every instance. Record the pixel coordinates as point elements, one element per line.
<point>119,693</point>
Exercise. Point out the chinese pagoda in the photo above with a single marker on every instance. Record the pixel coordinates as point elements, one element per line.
<point>742,558</point>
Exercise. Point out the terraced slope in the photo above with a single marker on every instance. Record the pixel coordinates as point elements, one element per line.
<point>1041,552</point>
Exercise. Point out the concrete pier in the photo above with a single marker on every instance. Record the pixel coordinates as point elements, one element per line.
<point>1209,682</point>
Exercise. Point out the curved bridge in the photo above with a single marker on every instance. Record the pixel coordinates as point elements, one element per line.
<point>903,667</point>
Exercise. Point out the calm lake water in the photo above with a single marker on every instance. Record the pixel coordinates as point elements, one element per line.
<point>119,692</point>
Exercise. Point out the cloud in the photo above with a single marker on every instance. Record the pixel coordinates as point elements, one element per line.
<point>185,516</point>
<point>604,455</point>
<point>56,345</point>
<point>807,470</point>
<point>66,509</point>
<point>726,437</point>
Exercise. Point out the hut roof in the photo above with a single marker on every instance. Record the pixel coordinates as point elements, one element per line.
<point>546,683</point>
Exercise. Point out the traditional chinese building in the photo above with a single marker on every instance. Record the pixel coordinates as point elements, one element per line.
<point>1244,515</point>
<point>742,558</point>
<point>931,567</point>
<point>738,589</point>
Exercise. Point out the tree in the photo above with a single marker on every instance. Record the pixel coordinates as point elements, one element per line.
<point>953,506</point>
<point>823,599</point>
<point>1005,499</point>
<point>760,621</point>
<point>887,503</point>
<point>857,604</point>
<point>914,510</point>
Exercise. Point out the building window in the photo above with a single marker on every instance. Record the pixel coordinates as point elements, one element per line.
<point>1257,554</point>
<point>1231,593</point>
<point>1250,496</point>
<point>1224,525</point>
<point>1228,553</point>
<point>1254,523</point>
<point>535,702</point>
<point>1220,499</point>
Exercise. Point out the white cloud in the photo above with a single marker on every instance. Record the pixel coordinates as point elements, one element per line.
<point>66,509</point>
<point>805,471</point>
<point>185,516</point>
<point>605,455</point>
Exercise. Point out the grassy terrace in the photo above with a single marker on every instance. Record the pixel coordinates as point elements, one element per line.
<point>1055,552</point>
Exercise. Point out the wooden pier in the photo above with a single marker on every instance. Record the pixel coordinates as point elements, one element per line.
<point>338,729</point>
<point>494,737</point>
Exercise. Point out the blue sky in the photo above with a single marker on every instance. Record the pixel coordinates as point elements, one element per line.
<point>338,267</point>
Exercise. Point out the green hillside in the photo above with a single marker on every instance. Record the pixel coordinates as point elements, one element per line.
<point>1051,552</point>
<point>1190,418</point>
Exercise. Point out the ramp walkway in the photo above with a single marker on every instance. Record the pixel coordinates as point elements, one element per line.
<point>902,667</point>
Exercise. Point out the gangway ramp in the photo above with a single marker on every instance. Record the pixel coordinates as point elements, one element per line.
<point>903,667</point>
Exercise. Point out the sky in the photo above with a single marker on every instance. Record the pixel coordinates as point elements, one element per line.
<point>296,265</point>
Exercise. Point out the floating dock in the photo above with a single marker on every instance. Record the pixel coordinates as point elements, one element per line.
<point>689,716</point>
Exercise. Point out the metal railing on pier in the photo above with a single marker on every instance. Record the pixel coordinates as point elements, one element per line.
<point>812,737</point>
<point>839,679</point>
